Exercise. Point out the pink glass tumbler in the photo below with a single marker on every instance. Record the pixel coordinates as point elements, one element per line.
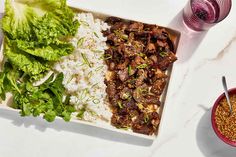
<point>200,15</point>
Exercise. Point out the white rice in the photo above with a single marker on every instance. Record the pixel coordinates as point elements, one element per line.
<point>84,70</point>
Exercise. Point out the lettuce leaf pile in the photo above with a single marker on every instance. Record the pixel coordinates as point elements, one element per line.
<point>37,33</point>
<point>46,99</point>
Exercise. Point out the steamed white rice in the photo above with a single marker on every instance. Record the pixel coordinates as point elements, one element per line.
<point>84,70</point>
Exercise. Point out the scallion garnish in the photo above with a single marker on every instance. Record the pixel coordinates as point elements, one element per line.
<point>99,68</point>
<point>86,60</point>
<point>146,118</point>
<point>129,70</point>
<point>80,114</point>
<point>142,66</point>
<point>163,54</point>
<point>84,93</point>
<point>106,56</point>
<point>90,74</point>
<point>80,42</point>
<point>96,101</point>
<point>84,23</point>
<point>120,105</point>
<point>96,34</point>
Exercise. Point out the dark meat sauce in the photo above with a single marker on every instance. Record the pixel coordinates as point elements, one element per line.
<point>137,58</point>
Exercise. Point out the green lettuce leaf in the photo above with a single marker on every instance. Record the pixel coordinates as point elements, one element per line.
<point>37,34</point>
<point>25,62</point>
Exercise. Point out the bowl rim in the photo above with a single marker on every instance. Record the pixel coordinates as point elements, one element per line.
<point>214,126</point>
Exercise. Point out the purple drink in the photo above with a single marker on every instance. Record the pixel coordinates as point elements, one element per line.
<point>202,14</point>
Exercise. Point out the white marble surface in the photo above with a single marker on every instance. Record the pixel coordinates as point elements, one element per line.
<point>186,130</point>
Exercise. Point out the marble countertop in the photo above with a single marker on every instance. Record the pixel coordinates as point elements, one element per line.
<point>196,83</point>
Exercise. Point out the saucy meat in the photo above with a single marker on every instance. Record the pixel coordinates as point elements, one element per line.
<point>139,55</point>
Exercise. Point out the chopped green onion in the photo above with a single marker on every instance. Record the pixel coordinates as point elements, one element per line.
<point>106,56</point>
<point>126,96</point>
<point>96,101</point>
<point>93,113</point>
<point>125,128</point>
<point>80,42</point>
<point>125,37</point>
<point>129,70</point>
<point>86,60</point>
<point>99,68</point>
<point>163,54</point>
<point>80,114</point>
<point>90,98</point>
<point>146,118</point>
<point>117,32</point>
<point>94,85</point>
<point>142,66</point>
<point>141,54</point>
<point>98,51</point>
<point>84,23</point>
<point>121,35</point>
<point>140,106</point>
<point>90,74</point>
<point>96,34</point>
<point>84,93</point>
<point>120,105</point>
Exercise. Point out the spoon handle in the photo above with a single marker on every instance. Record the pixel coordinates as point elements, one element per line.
<point>226,93</point>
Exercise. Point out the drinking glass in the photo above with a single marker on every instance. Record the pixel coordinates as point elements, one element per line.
<point>201,15</point>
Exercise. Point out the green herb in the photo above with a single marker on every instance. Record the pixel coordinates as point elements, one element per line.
<point>97,51</point>
<point>90,98</point>
<point>140,106</point>
<point>141,54</point>
<point>84,93</point>
<point>163,54</point>
<point>121,35</point>
<point>120,104</point>
<point>86,61</point>
<point>80,42</point>
<point>146,118</point>
<point>117,32</point>
<point>80,114</point>
<point>106,56</point>
<point>45,99</point>
<point>93,113</point>
<point>99,68</point>
<point>96,34</point>
<point>94,86</point>
<point>84,23</point>
<point>126,96</point>
<point>125,128</point>
<point>96,101</point>
<point>125,37</point>
<point>142,66</point>
<point>129,70</point>
<point>90,74</point>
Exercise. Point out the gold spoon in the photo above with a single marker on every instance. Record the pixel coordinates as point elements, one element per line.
<point>226,93</point>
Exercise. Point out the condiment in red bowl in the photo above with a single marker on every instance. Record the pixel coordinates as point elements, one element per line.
<point>224,123</point>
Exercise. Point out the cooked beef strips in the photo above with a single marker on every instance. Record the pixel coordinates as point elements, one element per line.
<point>137,58</point>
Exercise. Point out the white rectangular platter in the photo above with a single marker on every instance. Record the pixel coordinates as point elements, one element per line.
<point>105,128</point>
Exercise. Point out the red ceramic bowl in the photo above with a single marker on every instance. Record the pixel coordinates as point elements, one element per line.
<point>218,133</point>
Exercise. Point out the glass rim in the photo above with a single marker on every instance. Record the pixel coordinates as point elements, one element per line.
<point>217,21</point>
